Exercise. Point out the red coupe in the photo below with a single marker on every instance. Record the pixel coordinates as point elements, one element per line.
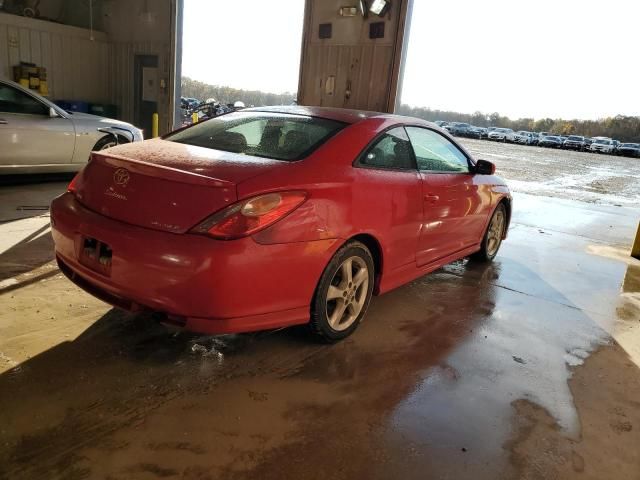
<point>278,216</point>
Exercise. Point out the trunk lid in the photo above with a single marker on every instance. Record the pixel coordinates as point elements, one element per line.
<point>164,185</point>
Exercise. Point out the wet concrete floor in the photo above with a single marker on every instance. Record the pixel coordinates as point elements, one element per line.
<point>525,368</point>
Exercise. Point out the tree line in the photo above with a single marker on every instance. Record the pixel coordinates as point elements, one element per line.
<point>620,127</point>
<point>202,91</point>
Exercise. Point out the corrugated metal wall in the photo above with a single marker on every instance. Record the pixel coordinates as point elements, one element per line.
<point>76,65</point>
<point>121,78</point>
<point>102,70</point>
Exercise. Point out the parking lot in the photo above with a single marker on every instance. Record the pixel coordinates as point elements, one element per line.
<point>525,368</point>
<point>584,176</point>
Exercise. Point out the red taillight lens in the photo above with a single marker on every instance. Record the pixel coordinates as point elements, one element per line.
<point>72,185</point>
<point>250,216</point>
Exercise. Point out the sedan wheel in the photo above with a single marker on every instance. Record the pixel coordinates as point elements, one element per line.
<point>493,236</point>
<point>108,145</point>
<point>344,292</point>
<point>104,143</point>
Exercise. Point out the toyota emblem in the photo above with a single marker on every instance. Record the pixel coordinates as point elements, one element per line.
<point>121,177</point>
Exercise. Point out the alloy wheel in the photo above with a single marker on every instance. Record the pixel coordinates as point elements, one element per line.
<point>496,230</point>
<point>108,145</point>
<point>347,293</point>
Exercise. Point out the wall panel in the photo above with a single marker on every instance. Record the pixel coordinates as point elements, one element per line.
<point>365,69</point>
<point>99,70</point>
<point>73,61</point>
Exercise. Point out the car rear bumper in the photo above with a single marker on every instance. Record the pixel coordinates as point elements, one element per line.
<point>199,283</point>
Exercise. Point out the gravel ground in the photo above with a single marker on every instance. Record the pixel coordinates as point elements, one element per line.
<point>588,177</point>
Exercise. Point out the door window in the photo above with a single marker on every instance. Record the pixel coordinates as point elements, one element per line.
<point>436,153</point>
<point>392,150</point>
<point>13,100</point>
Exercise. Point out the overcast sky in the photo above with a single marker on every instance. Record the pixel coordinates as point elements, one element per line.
<point>555,58</point>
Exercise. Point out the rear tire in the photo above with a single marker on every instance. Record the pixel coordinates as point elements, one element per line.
<point>493,236</point>
<point>343,293</point>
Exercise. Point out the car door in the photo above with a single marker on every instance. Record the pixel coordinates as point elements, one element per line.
<point>387,193</point>
<point>29,135</point>
<point>453,209</point>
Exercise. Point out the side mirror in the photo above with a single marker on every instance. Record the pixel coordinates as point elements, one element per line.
<point>53,113</point>
<point>484,167</point>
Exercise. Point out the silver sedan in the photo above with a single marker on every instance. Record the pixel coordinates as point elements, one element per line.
<point>37,136</point>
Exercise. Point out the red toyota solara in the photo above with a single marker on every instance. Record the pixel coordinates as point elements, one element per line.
<point>276,216</point>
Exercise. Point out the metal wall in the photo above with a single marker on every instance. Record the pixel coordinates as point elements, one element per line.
<point>99,70</point>
<point>138,27</point>
<point>351,70</point>
<point>75,64</point>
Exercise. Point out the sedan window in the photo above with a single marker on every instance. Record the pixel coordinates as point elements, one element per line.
<point>13,100</point>
<point>435,153</point>
<point>391,150</point>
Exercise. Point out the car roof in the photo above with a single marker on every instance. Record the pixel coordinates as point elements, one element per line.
<point>344,115</point>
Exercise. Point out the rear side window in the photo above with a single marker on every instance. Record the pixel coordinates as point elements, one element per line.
<point>435,153</point>
<point>270,135</point>
<point>391,150</point>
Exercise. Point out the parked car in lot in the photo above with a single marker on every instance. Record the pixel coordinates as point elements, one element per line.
<point>602,145</point>
<point>37,136</point>
<point>616,146</point>
<point>317,208</point>
<point>522,137</point>
<point>535,138</point>
<point>441,123</point>
<point>501,135</point>
<point>550,141</point>
<point>574,142</point>
<point>477,132</point>
<point>587,143</point>
<point>459,129</point>
<point>629,150</point>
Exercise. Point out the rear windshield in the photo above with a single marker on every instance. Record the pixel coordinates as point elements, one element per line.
<point>270,135</point>
<point>574,137</point>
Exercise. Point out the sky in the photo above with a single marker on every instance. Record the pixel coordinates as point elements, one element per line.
<point>542,58</point>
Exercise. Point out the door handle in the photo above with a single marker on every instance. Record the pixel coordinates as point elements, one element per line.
<point>3,121</point>
<point>431,198</point>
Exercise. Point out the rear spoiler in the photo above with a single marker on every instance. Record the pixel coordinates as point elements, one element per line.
<point>159,171</point>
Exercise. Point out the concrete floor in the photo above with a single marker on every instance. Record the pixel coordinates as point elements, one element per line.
<point>525,368</point>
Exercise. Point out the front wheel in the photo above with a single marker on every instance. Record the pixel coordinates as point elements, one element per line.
<point>343,293</point>
<point>493,236</point>
<point>104,143</point>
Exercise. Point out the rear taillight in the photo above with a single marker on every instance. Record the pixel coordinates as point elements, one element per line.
<point>72,185</point>
<point>250,216</point>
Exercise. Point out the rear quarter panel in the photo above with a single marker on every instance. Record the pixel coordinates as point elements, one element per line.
<point>344,200</point>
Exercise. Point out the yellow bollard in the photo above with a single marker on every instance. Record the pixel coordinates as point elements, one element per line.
<point>154,126</point>
<point>194,117</point>
<point>635,249</point>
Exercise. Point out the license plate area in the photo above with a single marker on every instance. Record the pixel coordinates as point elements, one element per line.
<point>96,255</point>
